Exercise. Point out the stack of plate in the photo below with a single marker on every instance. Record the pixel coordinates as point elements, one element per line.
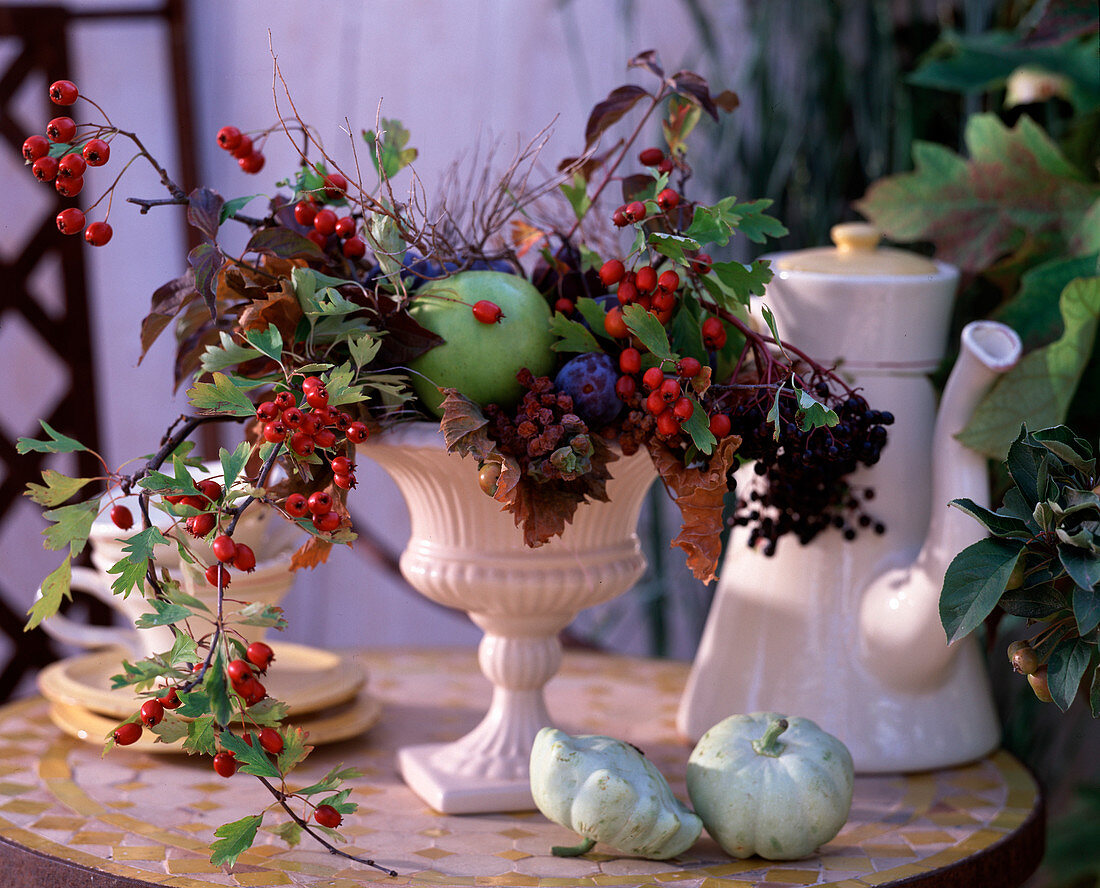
<point>324,692</point>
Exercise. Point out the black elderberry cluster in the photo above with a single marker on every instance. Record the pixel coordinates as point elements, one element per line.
<point>802,485</point>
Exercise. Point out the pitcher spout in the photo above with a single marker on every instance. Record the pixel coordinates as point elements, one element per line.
<point>901,638</point>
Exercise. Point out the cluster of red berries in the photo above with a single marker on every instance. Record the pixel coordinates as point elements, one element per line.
<point>240,146</point>
<point>324,226</point>
<point>51,162</point>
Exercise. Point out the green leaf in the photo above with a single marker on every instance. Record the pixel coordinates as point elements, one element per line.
<point>294,748</point>
<point>594,314</point>
<point>341,389</point>
<point>268,341</point>
<point>698,427</point>
<point>70,526</point>
<point>172,729</point>
<point>289,831</point>
<point>389,145</point>
<point>1065,668</point>
<point>58,443</point>
<point>165,614</point>
<point>996,523</point>
<point>1040,602</point>
<point>576,192</point>
<point>331,781</point>
<point>713,225</point>
<point>260,614</point>
<point>740,281</point>
<point>221,396</point>
<point>1038,390</point>
<point>214,683</point>
<point>754,223</point>
<point>250,759</point>
<point>1086,609</point>
<point>132,568</point>
<point>649,331</point>
<point>57,488</point>
<point>233,463</point>
<point>1023,463</point>
<point>55,587</point>
<point>234,839</point>
<point>980,210</point>
<point>228,354</point>
<point>573,336</point>
<point>234,206</point>
<point>1082,566</point>
<point>340,802</point>
<point>1034,312</point>
<point>812,414</point>
<point>673,245</point>
<point>364,349</point>
<point>974,583</point>
<point>194,704</point>
<point>773,413</point>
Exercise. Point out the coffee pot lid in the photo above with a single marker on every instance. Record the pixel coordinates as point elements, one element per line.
<point>857,253</point>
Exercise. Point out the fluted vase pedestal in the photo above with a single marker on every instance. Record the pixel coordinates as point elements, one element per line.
<point>464,552</point>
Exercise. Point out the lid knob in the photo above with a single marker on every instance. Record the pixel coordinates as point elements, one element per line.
<point>852,236</point>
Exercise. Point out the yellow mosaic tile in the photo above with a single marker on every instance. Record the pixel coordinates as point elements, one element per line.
<point>1009,820</point>
<point>512,855</point>
<point>434,832</point>
<point>848,864</point>
<point>261,880</point>
<point>793,876</point>
<point>138,852</point>
<point>177,865</point>
<point>10,788</point>
<point>907,871</point>
<point>951,818</point>
<point>511,880</point>
<point>25,806</point>
<point>893,849</point>
<point>946,857</point>
<point>93,837</point>
<point>516,833</point>
<point>981,840</point>
<point>58,821</point>
<point>433,853</point>
<point>928,836</point>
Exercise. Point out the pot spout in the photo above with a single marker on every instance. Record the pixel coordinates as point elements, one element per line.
<point>901,638</point>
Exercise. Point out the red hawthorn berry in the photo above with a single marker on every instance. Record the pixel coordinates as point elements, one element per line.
<point>245,559</point>
<point>341,422</point>
<point>260,655</point>
<point>335,186</point>
<point>152,711</point>
<point>626,387</point>
<point>311,383</point>
<point>354,248</point>
<point>630,360</point>
<point>271,741</point>
<point>344,482</point>
<point>45,168</point>
<point>714,334</point>
<point>683,408</point>
<point>668,200</point>
<point>216,572</point>
<point>324,222</point>
<point>302,443</point>
<point>645,279</point>
<point>663,302</point>
<point>317,397</point>
<point>96,152</point>
<point>487,312</point>
<point>611,272</point>
<point>244,147</point>
<point>210,488</point>
<point>304,212</point>
<point>239,671</point>
<point>323,415</point>
<point>357,432</point>
<point>655,404</point>
<point>71,166</point>
<point>327,816</point>
<point>652,378</point>
<point>171,700</point>
<point>35,147</point>
<point>627,293</point>
<point>296,506</point>
<point>63,92</point>
<point>229,138</point>
<point>665,166</point>
<point>618,218</point>
<point>635,211</point>
<point>327,522</point>
<point>345,227</point>
<point>651,156</point>
<point>670,390</point>
<point>614,325</point>
<point>688,367</point>
<point>201,525</point>
<point>127,733</point>
<point>324,438</point>
<point>225,764</point>
<point>267,411</point>
<point>341,465</point>
<point>70,221</point>
<point>663,315</point>
<point>667,424</point>
<point>719,425</point>
<point>564,305</point>
<point>122,517</point>
<point>98,234</point>
<point>285,399</point>
<point>69,187</point>
<point>292,418</point>
<point>252,163</point>
<point>319,502</point>
<point>701,263</point>
<point>669,281</point>
<point>253,692</point>
<point>61,129</point>
<point>275,432</point>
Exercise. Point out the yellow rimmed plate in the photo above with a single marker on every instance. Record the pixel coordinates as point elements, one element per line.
<point>307,679</point>
<point>343,722</point>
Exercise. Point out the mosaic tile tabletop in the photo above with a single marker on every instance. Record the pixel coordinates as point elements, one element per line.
<point>150,817</point>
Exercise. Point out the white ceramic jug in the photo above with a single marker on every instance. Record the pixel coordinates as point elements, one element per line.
<point>848,633</point>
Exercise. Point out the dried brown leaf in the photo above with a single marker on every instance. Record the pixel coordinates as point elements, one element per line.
<point>312,552</point>
<point>700,494</point>
<point>279,307</point>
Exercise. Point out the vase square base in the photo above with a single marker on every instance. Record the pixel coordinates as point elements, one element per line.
<point>450,793</point>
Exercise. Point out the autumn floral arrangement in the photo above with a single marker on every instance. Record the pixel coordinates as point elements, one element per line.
<point>547,326</point>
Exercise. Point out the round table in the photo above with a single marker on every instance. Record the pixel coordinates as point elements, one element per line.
<point>71,817</point>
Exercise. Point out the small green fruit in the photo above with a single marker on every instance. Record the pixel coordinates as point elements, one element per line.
<point>479,359</point>
<point>1038,682</point>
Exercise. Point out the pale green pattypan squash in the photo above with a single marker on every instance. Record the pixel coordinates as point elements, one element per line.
<point>609,792</point>
<point>768,785</point>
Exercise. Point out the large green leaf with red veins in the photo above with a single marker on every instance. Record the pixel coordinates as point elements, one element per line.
<point>1015,187</point>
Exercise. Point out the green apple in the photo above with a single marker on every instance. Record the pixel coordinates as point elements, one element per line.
<point>481,360</point>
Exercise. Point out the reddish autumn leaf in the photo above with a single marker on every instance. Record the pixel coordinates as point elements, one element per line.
<point>618,102</point>
<point>279,307</point>
<point>700,494</point>
<point>312,552</point>
<point>168,301</point>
